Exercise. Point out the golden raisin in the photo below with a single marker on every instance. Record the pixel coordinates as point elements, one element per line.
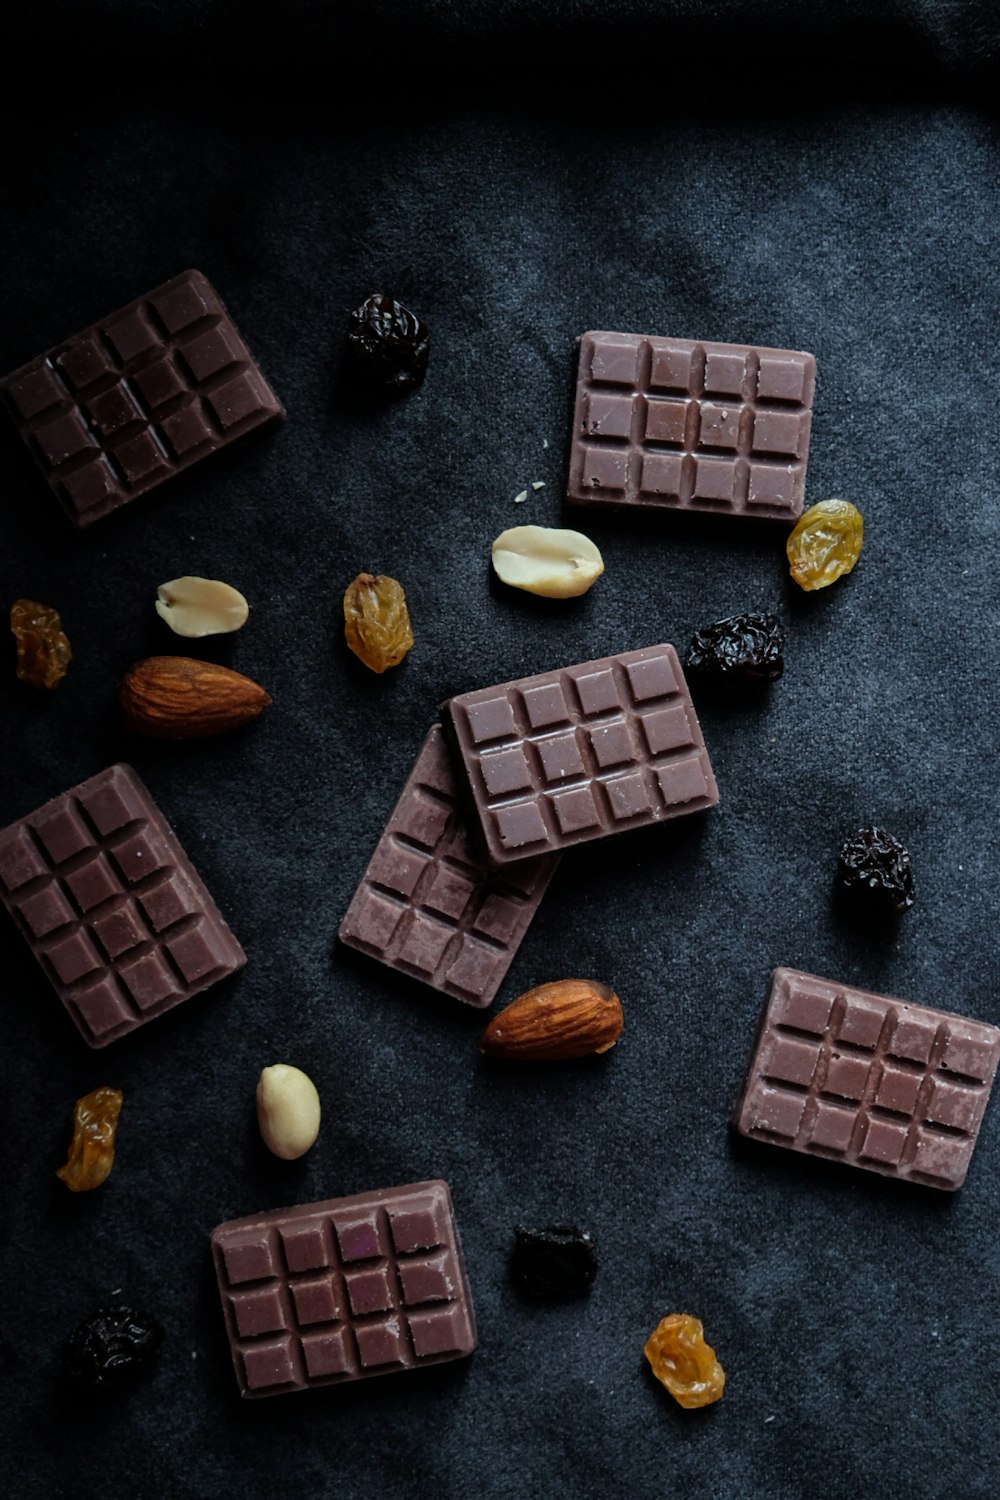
<point>683,1362</point>
<point>825,544</point>
<point>376,621</point>
<point>43,652</point>
<point>92,1149</point>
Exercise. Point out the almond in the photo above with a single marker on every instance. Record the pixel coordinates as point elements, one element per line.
<point>177,698</point>
<point>567,1018</point>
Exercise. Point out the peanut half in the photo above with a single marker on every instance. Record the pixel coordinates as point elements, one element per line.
<point>545,560</point>
<point>287,1110</point>
<point>201,606</point>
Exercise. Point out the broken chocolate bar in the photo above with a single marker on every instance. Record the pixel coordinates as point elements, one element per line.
<point>579,753</point>
<point>135,398</point>
<point>691,426</point>
<point>336,1291</point>
<point>875,1082</point>
<point>113,909</point>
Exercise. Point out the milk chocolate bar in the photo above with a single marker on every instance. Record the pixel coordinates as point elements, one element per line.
<point>860,1078</point>
<point>428,905</point>
<point>336,1291</point>
<point>580,752</point>
<point>691,426</point>
<point>112,907</point>
<point>139,396</point>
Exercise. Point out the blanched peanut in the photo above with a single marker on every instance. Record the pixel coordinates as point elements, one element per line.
<point>201,606</point>
<point>287,1110</point>
<point>545,560</point>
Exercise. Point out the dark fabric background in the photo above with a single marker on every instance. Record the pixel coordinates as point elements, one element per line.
<point>823,177</point>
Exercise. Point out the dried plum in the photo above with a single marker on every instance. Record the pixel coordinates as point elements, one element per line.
<point>875,871</point>
<point>555,1263</point>
<point>111,1346</point>
<point>389,344</point>
<point>747,648</point>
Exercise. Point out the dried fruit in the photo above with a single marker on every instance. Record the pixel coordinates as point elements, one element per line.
<point>177,698</point>
<point>389,344</point>
<point>555,1263</point>
<point>111,1346</point>
<point>287,1110</point>
<point>825,544</point>
<point>43,651</point>
<point>746,648</point>
<point>683,1363</point>
<point>545,560</point>
<point>376,621</point>
<point>875,870</point>
<point>92,1149</point>
<point>567,1018</point>
<point>194,607</point>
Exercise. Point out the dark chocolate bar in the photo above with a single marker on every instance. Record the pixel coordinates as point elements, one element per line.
<point>878,1083</point>
<point>112,907</point>
<point>137,397</point>
<point>689,426</point>
<point>339,1290</point>
<point>580,752</point>
<point>428,905</point>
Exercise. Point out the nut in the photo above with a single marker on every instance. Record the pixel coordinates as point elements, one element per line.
<point>545,560</point>
<point>176,698</point>
<point>287,1110</point>
<point>567,1018</point>
<point>201,606</point>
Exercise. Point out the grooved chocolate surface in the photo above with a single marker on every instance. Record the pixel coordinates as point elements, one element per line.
<point>344,1289</point>
<point>581,752</point>
<point>428,905</point>
<point>112,907</point>
<point>135,398</point>
<point>691,426</point>
<point>881,1084</point>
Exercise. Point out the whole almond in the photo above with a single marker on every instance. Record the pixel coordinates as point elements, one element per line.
<point>567,1018</point>
<point>177,698</point>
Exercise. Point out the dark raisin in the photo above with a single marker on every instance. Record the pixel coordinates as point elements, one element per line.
<point>743,647</point>
<point>554,1263</point>
<point>389,344</point>
<point>107,1349</point>
<point>875,871</point>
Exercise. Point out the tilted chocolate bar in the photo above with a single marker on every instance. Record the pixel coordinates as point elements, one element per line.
<point>581,752</point>
<point>339,1290</point>
<point>112,907</point>
<point>427,904</point>
<point>137,397</point>
<point>895,1088</point>
<point>688,426</point>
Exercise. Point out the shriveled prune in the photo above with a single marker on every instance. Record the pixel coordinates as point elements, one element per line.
<point>43,651</point>
<point>875,871</point>
<point>377,621</point>
<point>110,1347</point>
<point>92,1149</point>
<point>389,344</point>
<point>682,1361</point>
<point>553,1264</point>
<point>746,648</point>
<point>825,544</point>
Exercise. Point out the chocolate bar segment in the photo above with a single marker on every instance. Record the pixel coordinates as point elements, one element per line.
<point>895,1088</point>
<point>681,425</point>
<point>340,1290</point>
<point>112,907</point>
<point>581,752</point>
<point>134,399</point>
<point>428,905</point>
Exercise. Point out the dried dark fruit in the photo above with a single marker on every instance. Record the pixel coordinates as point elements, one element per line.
<point>555,1263</point>
<point>92,1149</point>
<point>682,1361</point>
<point>377,621</point>
<point>389,344</point>
<point>744,648</point>
<point>110,1347</point>
<point>43,651</point>
<point>875,871</point>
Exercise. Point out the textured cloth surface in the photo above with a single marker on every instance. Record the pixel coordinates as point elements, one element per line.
<point>854,1316</point>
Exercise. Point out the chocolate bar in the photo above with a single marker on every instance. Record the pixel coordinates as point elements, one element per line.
<point>343,1289</point>
<point>112,907</point>
<point>428,905</point>
<point>691,426</point>
<point>581,752</point>
<point>139,396</point>
<point>860,1078</point>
